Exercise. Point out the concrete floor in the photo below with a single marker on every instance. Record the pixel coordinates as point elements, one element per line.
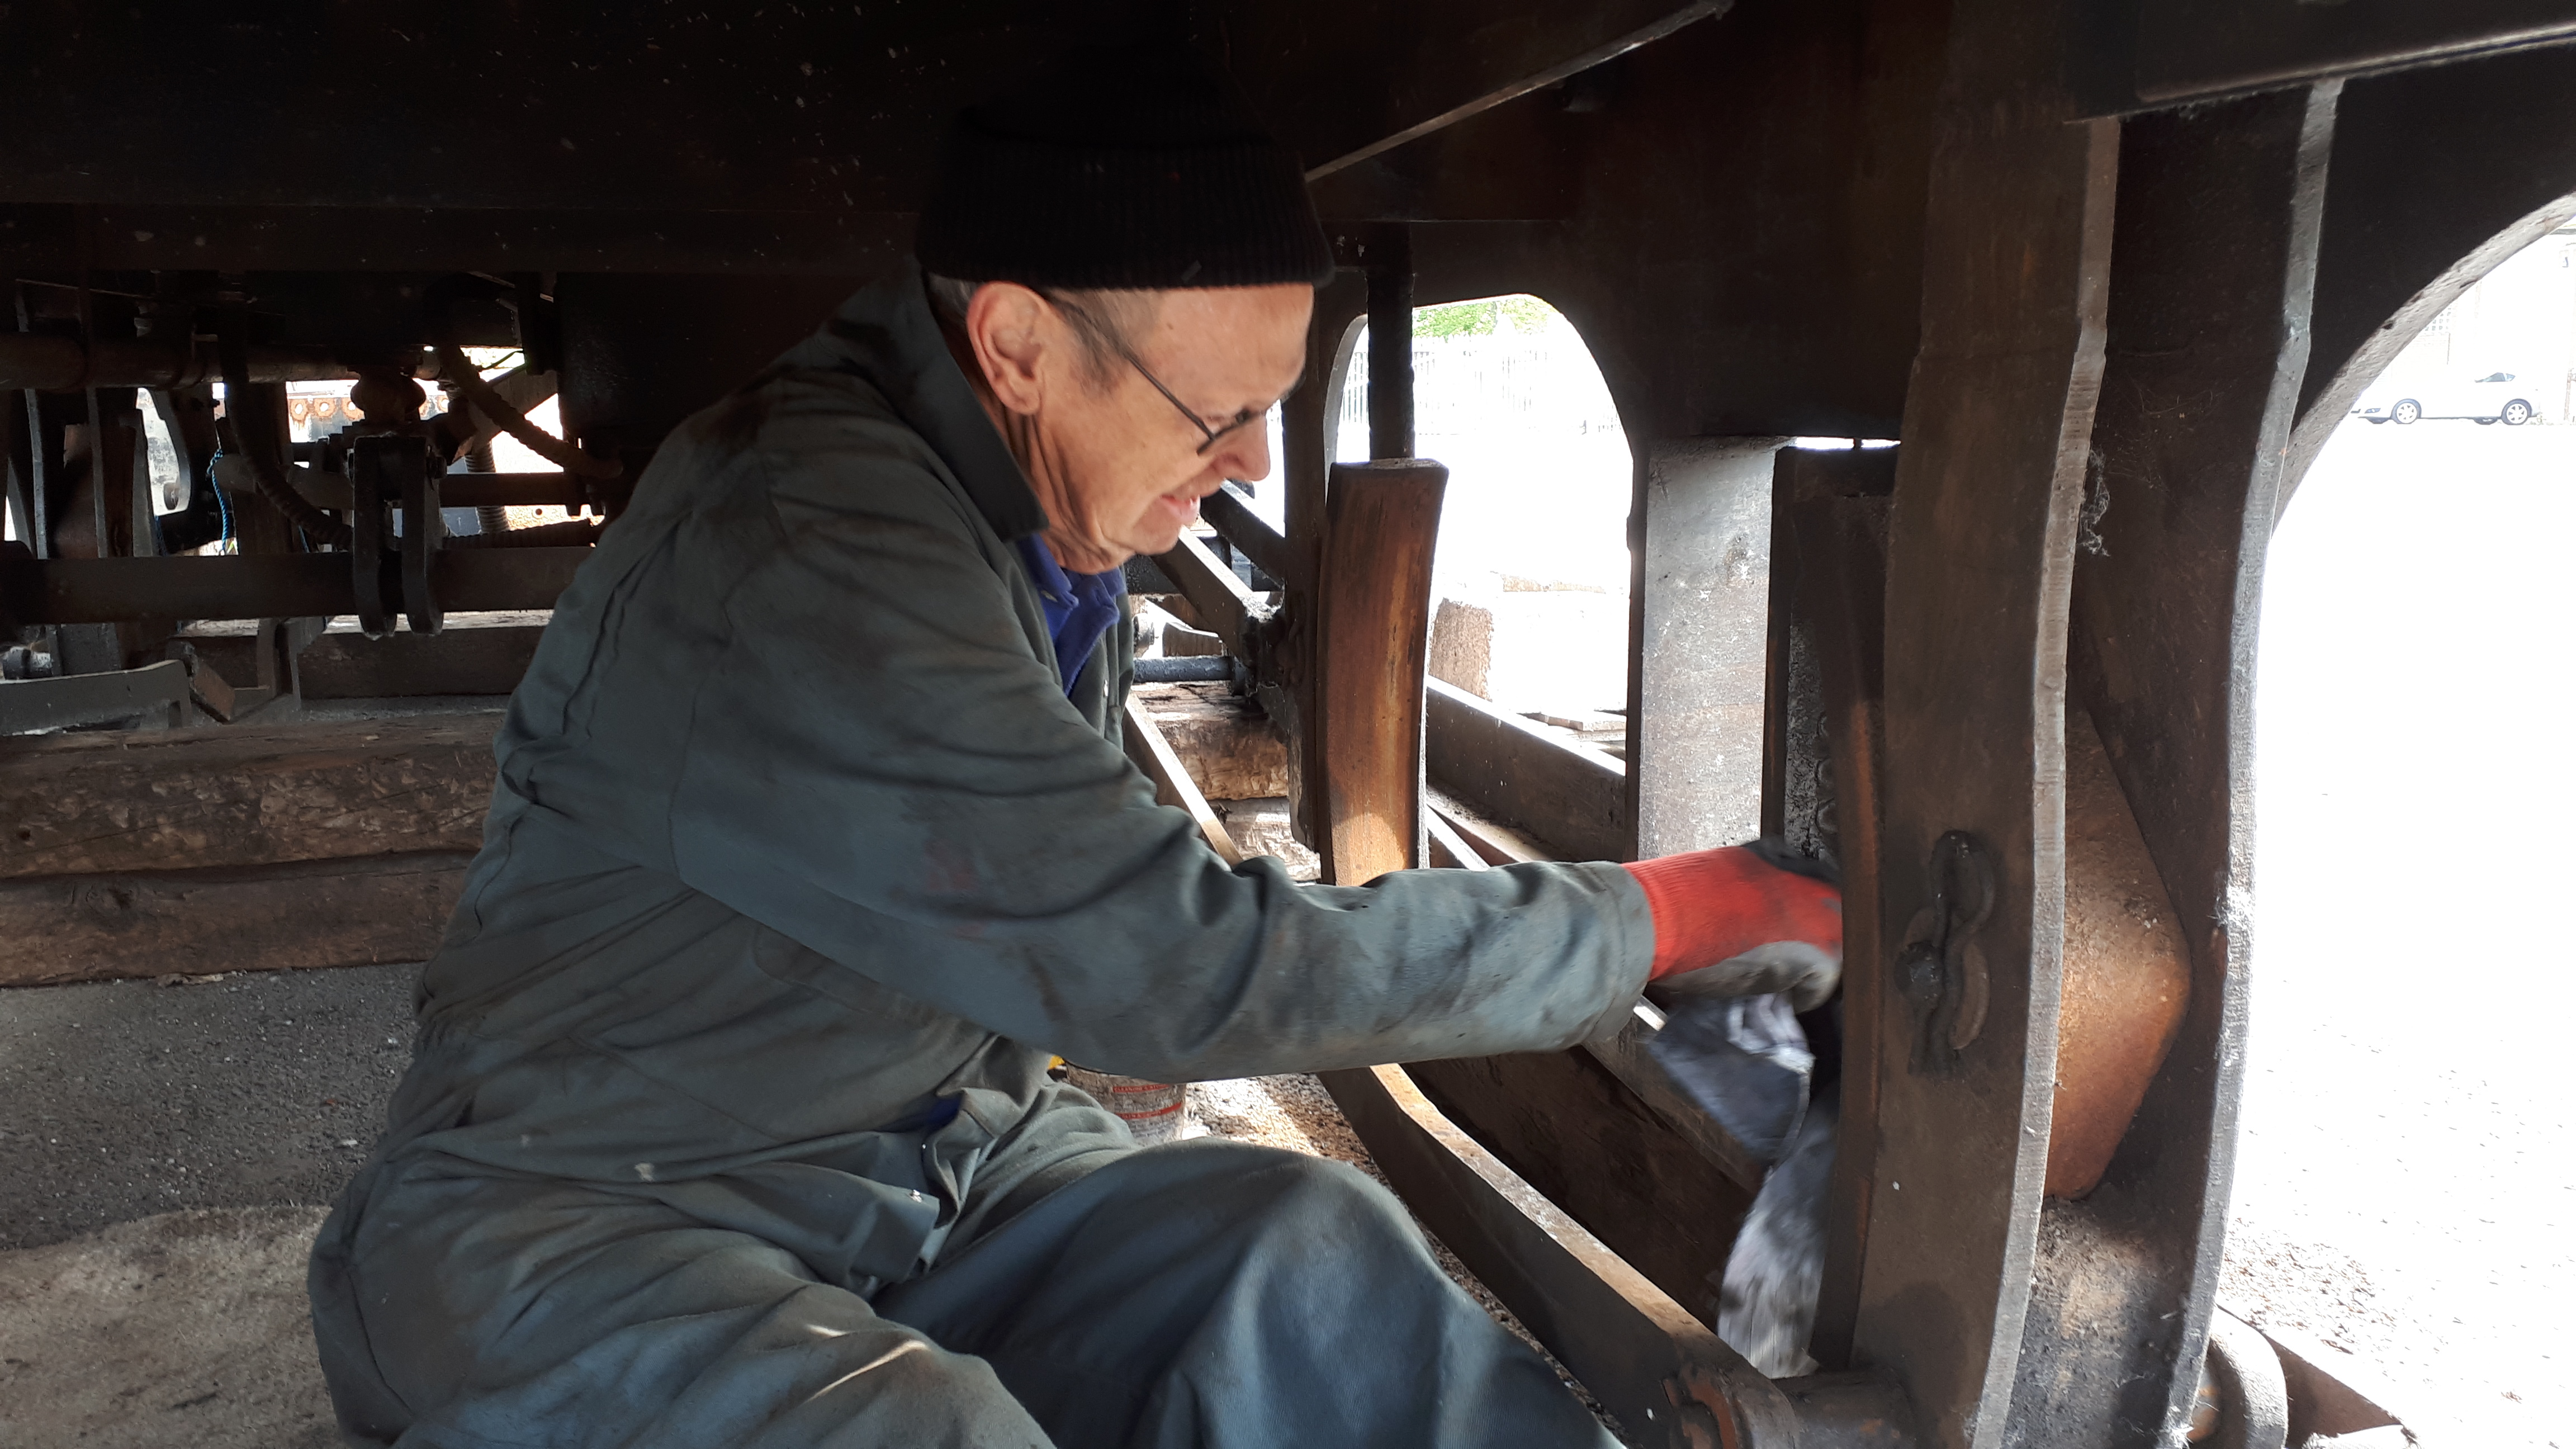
<point>2406,1180</point>
<point>126,1098</point>
<point>166,1152</point>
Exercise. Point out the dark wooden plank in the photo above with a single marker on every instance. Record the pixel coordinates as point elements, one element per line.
<point>354,912</point>
<point>79,804</point>
<point>1572,799</point>
<point>2016,263</point>
<point>1664,1375</point>
<point>1372,636</point>
<point>1479,844</point>
<point>1561,1120</point>
<point>1425,66</point>
<point>779,110</point>
<point>2216,261</point>
<point>2200,50</point>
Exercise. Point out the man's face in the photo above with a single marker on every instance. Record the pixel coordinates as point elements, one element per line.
<point>1119,466</point>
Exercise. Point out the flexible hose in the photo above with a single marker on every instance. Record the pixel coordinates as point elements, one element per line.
<point>452,367</point>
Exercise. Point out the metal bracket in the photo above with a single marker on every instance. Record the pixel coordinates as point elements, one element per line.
<point>155,695</point>
<point>392,469</point>
<point>423,527</point>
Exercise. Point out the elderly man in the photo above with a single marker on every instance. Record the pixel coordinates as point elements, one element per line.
<point>729,1121</point>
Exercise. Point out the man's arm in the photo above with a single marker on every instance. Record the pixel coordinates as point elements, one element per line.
<point>879,768</point>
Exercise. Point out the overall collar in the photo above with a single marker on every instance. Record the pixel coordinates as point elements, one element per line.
<point>887,335</point>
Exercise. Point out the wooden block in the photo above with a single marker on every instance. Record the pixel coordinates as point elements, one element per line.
<point>1372,637</point>
<point>194,799</point>
<point>2128,976</point>
<point>55,929</point>
<point>1227,744</point>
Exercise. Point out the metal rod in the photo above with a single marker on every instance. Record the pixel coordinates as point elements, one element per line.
<point>1390,332</point>
<point>1203,669</point>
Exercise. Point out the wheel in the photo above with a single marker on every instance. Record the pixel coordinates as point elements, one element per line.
<point>2406,410</point>
<point>2243,1402</point>
<point>2483,422</point>
<point>2374,422</point>
<point>2516,413</point>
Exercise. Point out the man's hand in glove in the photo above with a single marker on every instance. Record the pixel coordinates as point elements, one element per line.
<point>1732,922</point>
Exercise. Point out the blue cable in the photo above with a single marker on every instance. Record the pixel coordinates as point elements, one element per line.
<point>223,505</point>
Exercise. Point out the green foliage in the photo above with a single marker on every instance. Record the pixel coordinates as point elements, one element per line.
<point>1519,314</point>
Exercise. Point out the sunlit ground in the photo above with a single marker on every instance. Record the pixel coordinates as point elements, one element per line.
<point>2406,1186</point>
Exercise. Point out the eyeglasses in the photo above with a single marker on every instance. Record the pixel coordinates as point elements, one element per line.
<point>1104,333</point>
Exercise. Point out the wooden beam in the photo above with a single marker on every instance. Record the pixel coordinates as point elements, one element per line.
<point>247,796</point>
<point>1250,534</point>
<point>2217,260</point>
<point>1972,887</point>
<point>1572,799</point>
<point>1623,1055</point>
<point>1372,638</point>
<point>1567,1123</point>
<point>1668,1378</point>
<point>1219,602</point>
<point>354,912</point>
<point>1834,514</point>
<point>2186,51</point>
<point>1172,785</point>
<point>1428,66</point>
<point>463,659</point>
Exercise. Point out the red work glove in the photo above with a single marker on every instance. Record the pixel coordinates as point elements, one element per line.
<point>1773,929</point>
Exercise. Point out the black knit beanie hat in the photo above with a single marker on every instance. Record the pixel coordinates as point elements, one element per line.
<point>1142,167</point>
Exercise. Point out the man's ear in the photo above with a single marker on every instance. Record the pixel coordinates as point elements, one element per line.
<point>1006,324</point>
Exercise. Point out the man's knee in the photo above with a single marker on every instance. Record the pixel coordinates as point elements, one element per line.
<point>1296,1204</point>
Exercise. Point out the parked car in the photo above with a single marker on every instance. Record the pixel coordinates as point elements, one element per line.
<point>2496,397</point>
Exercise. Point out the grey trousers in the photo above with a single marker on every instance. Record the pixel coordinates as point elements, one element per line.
<point>1202,1294</point>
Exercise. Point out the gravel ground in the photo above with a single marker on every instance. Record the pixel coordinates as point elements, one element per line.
<point>2406,1183</point>
<point>124,1098</point>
